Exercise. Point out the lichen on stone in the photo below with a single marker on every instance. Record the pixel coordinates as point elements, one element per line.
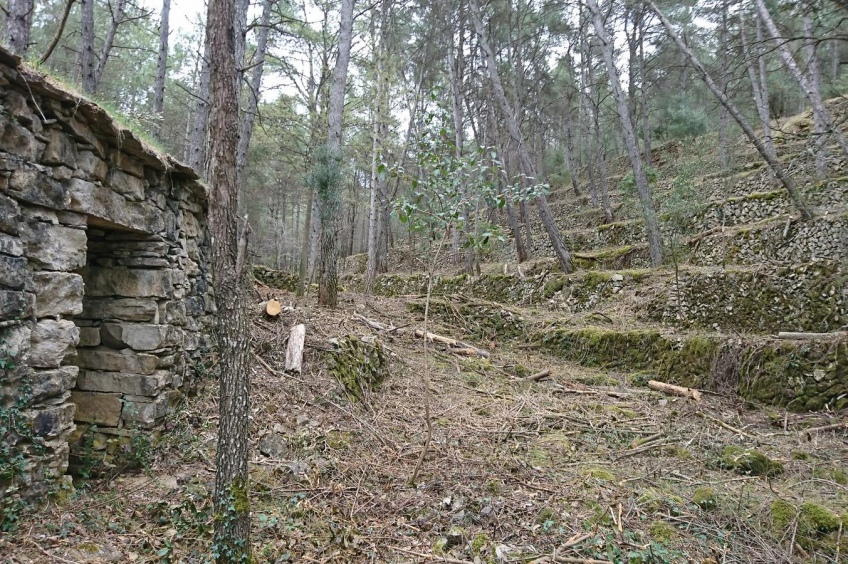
<point>358,365</point>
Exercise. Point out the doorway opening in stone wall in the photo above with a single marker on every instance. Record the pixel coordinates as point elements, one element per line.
<point>130,366</point>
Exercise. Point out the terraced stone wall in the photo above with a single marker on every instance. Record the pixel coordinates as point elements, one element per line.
<point>104,287</point>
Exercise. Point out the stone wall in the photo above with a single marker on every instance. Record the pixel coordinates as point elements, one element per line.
<point>103,279</point>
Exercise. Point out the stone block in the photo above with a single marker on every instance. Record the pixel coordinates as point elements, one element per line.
<point>49,383</point>
<point>135,384</point>
<point>71,219</point>
<point>18,106</point>
<point>89,336</point>
<point>11,245</point>
<point>57,293</point>
<point>15,305</point>
<point>133,283</point>
<point>110,360</point>
<point>34,187</point>
<point>52,421</point>
<point>51,341</point>
<point>124,309</point>
<point>126,163</point>
<point>96,200</point>
<point>130,186</point>
<point>174,312</point>
<point>95,407</point>
<point>9,212</point>
<point>83,133</point>
<point>90,167</point>
<point>15,343</point>
<point>112,335</point>
<point>151,337</point>
<point>19,140</point>
<point>60,149</point>
<point>54,247</point>
<point>147,413</point>
<point>13,272</point>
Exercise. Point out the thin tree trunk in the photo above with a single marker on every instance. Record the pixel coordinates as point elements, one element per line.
<point>161,68</point>
<point>246,131</point>
<point>773,163</point>
<point>643,76</point>
<point>59,31</point>
<point>17,26</point>
<point>305,245</point>
<point>197,147</point>
<point>117,20</point>
<point>231,496</point>
<point>815,82</point>
<point>642,187</point>
<point>722,116</point>
<point>759,102</point>
<point>329,196</point>
<point>524,159</point>
<point>87,62</point>
<point>376,180</point>
<point>810,89</point>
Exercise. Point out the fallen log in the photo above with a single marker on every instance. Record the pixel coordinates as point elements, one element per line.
<point>271,308</point>
<point>294,350</point>
<point>675,390</point>
<point>456,347</point>
<point>797,336</point>
<point>539,375</point>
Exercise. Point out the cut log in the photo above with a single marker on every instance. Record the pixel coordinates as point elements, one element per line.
<point>539,375</point>
<point>294,350</point>
<point>454,346</point>
<point>675,390</point>
<point>376,325</point>
<point>271,308</point>
<point>793,336</point>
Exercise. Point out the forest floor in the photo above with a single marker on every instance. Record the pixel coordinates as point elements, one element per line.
<point>578,467</point>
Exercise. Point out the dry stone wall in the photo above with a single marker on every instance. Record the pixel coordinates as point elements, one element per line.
<point>104,286</point>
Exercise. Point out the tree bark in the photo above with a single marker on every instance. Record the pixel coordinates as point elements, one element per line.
<point>524,159</point>
<point>17,26</point>
<point>376,176</point>
<point>329,196</point>
<point>773,163</point>
<point>246,131</point>
<point>231,500</point>
<point>117,20</point>
<point>642,187</point>
<point>161,68</point>
<point>724,157</point>
<point>815,83</point>
<point>759,102</point>
<point>87,62</point>
<point>643,76</point>
<point>810,88</point>
<point>197,146</point>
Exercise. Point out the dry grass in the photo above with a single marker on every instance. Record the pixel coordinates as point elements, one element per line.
<point>580,465</point>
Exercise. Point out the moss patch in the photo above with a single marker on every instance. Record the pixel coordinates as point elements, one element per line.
<point>359,366</point>
<point>749,461</point>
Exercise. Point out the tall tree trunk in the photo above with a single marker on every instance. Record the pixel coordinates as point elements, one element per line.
<point>161,68</point>
<point>197,146</point>
<point>810,88</point>
<point>722,116</point>
<point>376,176</point>
<point>756,90</point>
<point>246,131</point>
<point>87,59</point>
<point>329,196</point>
<point>303,271</point>
<point>563,257</point>
<point>17,25</point>
<point>773,163</point>
<point>106,50</point>
<point>643,76</point>
<point>229,250</point>
<point>815,82</point>
<point>642,188</point>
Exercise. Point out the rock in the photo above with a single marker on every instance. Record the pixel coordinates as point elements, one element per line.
<point>89,337</point>
<point>51,342</point>
<point>90,167</point>
<point>126,163</point>
<point>135,384</point>
<point>130,186</point>
<point>151,337</point>
<point>52,421</point>
<point>49,383</point>
<point>135,283</point>
<point>274,445</point>
<point>34,187</point>
<point>112,335</point>
<point>148,413</point>
<point>15,342</point>
<point>60,150</point>
<point>54,247</point>
<point>10,245</point>
<point>13,272</point>
<point>99,408</point>
<point>57,293</point>
<point>9,212</point>
<point>125,309</point>
<point>102,358</point>
<point>15,305</point>
<point>19,140</point>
